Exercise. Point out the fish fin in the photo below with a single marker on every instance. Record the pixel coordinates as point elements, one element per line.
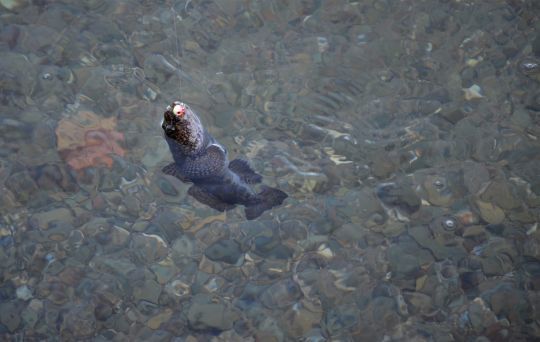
<point>244,171</point>
<point>269,198</point>
<point>210,163</point>
<point>217,154</point>
<point>207,198</point>
<point>174,170</point>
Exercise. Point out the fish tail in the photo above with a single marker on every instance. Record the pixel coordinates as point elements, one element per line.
<point>268,198</point>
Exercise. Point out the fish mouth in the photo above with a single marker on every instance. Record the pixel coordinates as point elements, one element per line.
<point>177,108</point>
<point>174,113</point>
<point>174,119</point>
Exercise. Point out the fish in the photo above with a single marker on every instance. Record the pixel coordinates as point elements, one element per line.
<point>200,159</point>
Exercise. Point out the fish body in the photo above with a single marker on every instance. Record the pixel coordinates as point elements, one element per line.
<point>203,161</point>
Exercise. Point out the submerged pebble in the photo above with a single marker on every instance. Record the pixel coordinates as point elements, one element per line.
<point>202,316</point>
<point>24,293</point>
<point>404,132</point>
<point>530,67</point>
<point>227,251</point>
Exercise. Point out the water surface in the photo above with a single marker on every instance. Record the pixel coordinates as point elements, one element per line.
<point>405,133</point>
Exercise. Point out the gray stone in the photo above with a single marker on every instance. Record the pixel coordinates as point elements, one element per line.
<point>475,175</point>
<point>419,302</point>
<point>438,190</point>
<point>507,301</point>
<point>148,247</point>
<point>95,226</point>
<point>184,247</point>
<point>281,294</point>
<point>501,193</point>
<point>498,256</point>
<point>9,316</point>
<point>118,236</point>
<point>453,116</point>
<point>521,118</point>
<point>384,311</point>
<point>118,266</point>
<point>79,322</point>
<point>406,257</point>
<point>132,204</point>
<point>32,312</point>
<point>536,45</point>
<point>23,292</point>
<point>490,212</point>
<point>424,237</point>
<point>139,226</point>
<point>22,186</point>
<point>203,316</point>
<point>341,318</point>
<point>148,290</point>
<point>480,315</point>
<point>227,251</point>
<point>401,196</point>
<point>350,233</point>
<point>298,321</point>
<point>156,321</point>
<point>166,187</point>
<point>164,270</point>
<point>46,219</point>
<point>383,166</point>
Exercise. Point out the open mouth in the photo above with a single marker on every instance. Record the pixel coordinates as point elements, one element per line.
<point>177,108</point>
<point>173,112</point>
<point>174,117</point>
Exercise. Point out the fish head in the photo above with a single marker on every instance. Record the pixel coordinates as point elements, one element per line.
<point>180,123</point>
<point>174,118</point>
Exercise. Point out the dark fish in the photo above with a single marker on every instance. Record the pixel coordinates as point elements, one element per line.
<point>200,159</point>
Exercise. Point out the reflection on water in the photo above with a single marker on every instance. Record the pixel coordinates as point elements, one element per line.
<point>405,133</point>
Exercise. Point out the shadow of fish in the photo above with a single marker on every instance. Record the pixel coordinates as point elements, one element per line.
<point>201,160</point>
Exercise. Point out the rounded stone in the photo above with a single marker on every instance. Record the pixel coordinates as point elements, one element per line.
<point>24,292</point>
<point>148,247</point>
<point>202,316</point>
<point>227,251</point>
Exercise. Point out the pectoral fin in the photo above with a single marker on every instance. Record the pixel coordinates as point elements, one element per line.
<point>207,198</point>
<point>244,171</point>
<point>174,170</point>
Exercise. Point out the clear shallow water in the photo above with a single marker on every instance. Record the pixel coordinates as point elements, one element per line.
<point>404,132</point>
